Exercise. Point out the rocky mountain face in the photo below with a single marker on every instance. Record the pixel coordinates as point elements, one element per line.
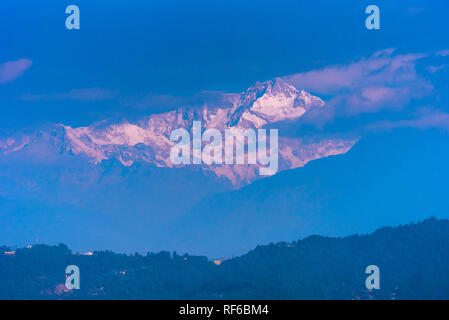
<point>148,140</point>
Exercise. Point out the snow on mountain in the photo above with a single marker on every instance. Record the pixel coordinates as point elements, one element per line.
<point>270,102</point>
<point>148,140</point>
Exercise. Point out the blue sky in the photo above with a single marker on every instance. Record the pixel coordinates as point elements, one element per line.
<point>138,57</point>
<point>133,58</point>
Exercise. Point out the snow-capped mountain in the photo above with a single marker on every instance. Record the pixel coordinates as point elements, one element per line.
<point>148,139</point>
<point>270,102</point>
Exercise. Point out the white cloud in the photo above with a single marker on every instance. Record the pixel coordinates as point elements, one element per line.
<point>11,70</point>
<point>380,82</point>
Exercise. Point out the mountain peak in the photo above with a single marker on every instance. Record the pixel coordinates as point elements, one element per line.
<point>274,86</point>
<point>271,101</point>
<point>279,86</point>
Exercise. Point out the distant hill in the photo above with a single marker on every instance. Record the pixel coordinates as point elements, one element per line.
<point>386,179</point>
<point>413,262</point>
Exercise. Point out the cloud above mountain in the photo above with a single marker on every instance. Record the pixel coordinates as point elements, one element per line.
<point>384,80</point>
<point>11,70</point>
<point>374,88</point>
<point>382,68</point>
<point>87,94</point>
<point>425,119</point>
<point>443,53</point>
<point>384,83</point>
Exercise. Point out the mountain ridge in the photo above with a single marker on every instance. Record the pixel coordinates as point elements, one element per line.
<point>148,139</point>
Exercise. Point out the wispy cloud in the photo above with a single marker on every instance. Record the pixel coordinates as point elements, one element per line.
<point>383,81</point>
<point>88,94</point>
<point>381,69</point>
<point>11,70</point>
<point>432,119</point>
<point>163,102</point>
<point>433,69</point>
<point>443,53</point>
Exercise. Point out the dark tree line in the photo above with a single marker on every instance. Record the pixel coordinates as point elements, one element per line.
<point>413,262</point>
